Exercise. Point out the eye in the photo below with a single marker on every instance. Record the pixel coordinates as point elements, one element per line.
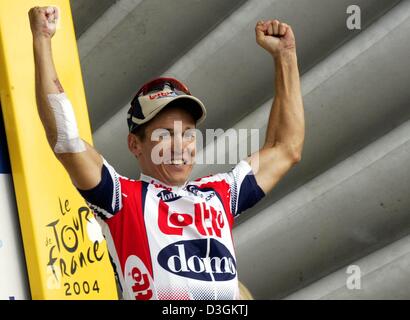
<point>165,136</point>
<point>160,135</point>
<point>190,135</point>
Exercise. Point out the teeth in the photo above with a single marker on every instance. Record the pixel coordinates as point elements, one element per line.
<point>176,162</point>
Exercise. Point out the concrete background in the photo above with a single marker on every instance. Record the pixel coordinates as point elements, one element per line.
<point>347,201</point>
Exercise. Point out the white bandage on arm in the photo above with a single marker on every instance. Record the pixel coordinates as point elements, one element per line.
<point>68,138</point>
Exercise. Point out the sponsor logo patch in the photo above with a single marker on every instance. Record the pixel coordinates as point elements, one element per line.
<point>206,220</point>
<point>168,196</point>
<point>204,193</point>
<point>138,279</point>
<point>189,259</point>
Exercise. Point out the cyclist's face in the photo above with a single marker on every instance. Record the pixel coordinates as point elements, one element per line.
<point>168,150</point>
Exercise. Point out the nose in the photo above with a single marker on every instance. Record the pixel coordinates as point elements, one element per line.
<point>177,145</point>
<point>182,147</point>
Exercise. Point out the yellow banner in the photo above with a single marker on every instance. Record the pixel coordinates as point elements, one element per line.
<point>65,252</point>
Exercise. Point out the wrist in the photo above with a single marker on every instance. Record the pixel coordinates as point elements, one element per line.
<point>287,56</point>
<point>41,43</point>
<point>284,54</point>
<point>41,38</point>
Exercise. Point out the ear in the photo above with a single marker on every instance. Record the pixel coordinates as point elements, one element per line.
<point>134,145</point>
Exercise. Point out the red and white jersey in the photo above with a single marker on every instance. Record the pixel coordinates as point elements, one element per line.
<point>173,242</point>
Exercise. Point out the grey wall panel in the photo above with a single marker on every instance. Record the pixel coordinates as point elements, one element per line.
<point>384,274</point>
<point>356,207</point>
<point>355,96</point>
<point>86,12</point>
<point>146,42</point>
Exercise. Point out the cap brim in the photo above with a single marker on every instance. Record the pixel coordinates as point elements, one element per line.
<point>201,108</point>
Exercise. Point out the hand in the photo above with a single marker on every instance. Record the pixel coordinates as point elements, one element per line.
<point>275,37</point>
<point>43,21</point>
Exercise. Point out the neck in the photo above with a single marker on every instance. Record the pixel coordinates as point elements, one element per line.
<point>154,179</point>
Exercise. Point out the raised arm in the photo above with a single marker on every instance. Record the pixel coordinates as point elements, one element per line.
<point>286,128</point>
<point>81,160</point>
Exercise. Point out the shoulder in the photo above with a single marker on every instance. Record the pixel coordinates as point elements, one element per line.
<point>130,186</point>
<point>242,168</point>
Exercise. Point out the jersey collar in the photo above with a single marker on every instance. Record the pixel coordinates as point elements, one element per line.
<point>160,184</point>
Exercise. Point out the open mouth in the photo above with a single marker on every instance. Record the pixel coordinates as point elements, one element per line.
<point>177,162</point>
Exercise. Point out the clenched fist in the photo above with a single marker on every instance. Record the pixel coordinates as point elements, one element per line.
<point>275,37</point>
<point>43,21</point>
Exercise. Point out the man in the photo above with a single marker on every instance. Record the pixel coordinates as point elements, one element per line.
<point>170,238</point>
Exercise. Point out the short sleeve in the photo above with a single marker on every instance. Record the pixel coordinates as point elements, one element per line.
<point>105,199</point>
<point>245,192</point>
